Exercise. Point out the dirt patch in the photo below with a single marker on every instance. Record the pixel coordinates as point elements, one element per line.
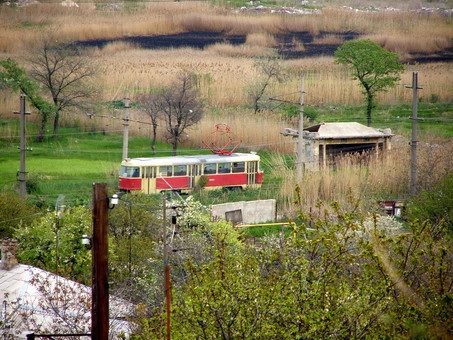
<point>287,44</point>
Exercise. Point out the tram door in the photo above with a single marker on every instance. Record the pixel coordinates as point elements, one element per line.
<point>251,169</point>
<point>193,172</point>
<point>149,180</point>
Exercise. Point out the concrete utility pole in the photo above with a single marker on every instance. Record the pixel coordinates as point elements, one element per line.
<point>23,148</point>
<point>167,285</point>
<point>415,88</point>
<point>100,288</point>
<point>127,105</point>
<point>300,140</point>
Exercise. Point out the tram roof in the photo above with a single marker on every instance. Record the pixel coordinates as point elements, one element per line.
<point>194,159</point>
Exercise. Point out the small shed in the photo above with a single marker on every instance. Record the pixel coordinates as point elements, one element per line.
<point>325,141</point>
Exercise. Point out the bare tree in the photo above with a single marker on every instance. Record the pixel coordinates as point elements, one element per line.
<point>180,107</point>
<point>270,69</point>
<point>148,103</point>
<point>65,74</point>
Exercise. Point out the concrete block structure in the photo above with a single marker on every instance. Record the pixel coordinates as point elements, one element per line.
<point>246,212</point>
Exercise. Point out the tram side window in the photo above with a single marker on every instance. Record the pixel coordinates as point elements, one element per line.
<point>180,170</point>
<point>238,167</point>
<point>210,168</point>
<point>166,171</point>
<point>129,171</point>
<point>224,168</point>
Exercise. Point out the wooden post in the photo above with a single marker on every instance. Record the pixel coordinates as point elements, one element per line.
<point>100,291</point>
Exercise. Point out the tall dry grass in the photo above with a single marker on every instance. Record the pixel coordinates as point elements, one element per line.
<point>225,71</point>
<point>20,27</point>
<point>379,178</point>
<point>261,39</point>
<point>225,74</point>
<point>255,131</point>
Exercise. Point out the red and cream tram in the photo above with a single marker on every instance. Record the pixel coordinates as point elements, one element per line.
<point>183,173</point>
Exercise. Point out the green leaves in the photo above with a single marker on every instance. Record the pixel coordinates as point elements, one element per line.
<point>374,67</point>
<point>54,244</point>
<point>351,277</point>
<point>15,77</point>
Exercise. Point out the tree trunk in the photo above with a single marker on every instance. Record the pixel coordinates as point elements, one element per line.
<point>175,145</point>
<point>153,140</point>
<point>369,107</point>
<point>42,129</point>
<point>55,123</point>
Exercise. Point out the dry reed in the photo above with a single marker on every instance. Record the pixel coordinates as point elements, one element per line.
<point>224,71</point>
<point>328,39</point>
<point>238,51</point>
<point>261,39</point>
<point>365,177</point>
<point>115,20</point>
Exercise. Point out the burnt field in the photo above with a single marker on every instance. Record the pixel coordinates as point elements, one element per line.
<point>286,47</point>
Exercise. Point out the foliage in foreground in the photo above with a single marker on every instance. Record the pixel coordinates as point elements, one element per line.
<point>435,204</point>
<point>14,213</point>
<point>53,243</point>
<point>351,278</point>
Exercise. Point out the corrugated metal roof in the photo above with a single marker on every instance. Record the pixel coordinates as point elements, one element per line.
<point>17,285</point>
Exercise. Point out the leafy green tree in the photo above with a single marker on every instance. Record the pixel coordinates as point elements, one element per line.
<point>14,213</point>
<point>135,231</point>
<point>434,205</point>
<point>54,244</point>
<point>374,67</point>
<point>15,77</point>
<point>343,278</point>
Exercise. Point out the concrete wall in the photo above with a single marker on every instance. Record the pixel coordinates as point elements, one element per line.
<point>252,211</point>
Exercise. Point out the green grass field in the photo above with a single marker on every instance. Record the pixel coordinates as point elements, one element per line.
<point>69,164</point>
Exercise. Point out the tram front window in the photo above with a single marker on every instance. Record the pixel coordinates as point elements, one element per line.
<point>129,171</point>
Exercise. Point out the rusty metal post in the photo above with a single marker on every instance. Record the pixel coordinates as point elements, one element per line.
<point>100,292</point>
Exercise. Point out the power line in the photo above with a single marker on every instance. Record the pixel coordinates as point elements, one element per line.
<point>72,133</point>
<point>20,218</point>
